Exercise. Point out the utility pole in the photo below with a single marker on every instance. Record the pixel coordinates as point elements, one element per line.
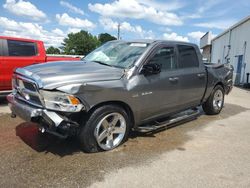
<point>118,31</point>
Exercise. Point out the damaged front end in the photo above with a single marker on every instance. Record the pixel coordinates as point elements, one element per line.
<point>56,112</point>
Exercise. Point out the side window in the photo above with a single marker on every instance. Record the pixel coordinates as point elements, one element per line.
<point>21,48</point>
<point>187,57</point>
<point>165,57</point>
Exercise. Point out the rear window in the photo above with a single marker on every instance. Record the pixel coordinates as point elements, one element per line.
<point>187,57</point>
<point>21,48</point>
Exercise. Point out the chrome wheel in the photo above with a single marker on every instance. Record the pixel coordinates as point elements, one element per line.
<point>218,100</point>
<point>110,131</point>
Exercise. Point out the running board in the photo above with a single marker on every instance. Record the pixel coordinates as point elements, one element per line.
<point>188,114</point>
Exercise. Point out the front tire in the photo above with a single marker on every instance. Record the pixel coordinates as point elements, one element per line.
<point>215,102</point>
<point>105,129</point>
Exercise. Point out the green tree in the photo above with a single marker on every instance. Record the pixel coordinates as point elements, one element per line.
<point>80,43</point>
<point>105,37</point>
<point>53,50</point>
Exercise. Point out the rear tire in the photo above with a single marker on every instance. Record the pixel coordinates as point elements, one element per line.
<point>105,129</point>
<point>215,101</point>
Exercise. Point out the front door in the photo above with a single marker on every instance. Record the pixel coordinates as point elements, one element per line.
<point>239,68</point>
<point>159,92</point>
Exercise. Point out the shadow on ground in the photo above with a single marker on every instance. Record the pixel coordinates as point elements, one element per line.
<point>51,162</point>
<point>31,136</point>
<point>3,102</point>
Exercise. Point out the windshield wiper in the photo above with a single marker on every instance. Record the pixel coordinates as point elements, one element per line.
<point>102,63</point>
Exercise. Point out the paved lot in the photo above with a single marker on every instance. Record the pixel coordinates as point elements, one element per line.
<point>211,151</point>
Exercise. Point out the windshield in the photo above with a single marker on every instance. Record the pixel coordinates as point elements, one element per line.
<point>117,54</point>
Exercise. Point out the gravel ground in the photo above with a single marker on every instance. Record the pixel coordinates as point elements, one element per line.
<point>211,151</point>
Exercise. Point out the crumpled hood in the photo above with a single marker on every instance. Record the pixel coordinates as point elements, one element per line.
<point>56,74</point>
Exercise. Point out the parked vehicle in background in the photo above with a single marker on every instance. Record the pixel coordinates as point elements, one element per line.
<point>20,52</point>
<point>140,85</point>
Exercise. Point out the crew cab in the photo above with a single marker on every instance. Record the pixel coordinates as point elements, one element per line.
<point>20,52</point>
<point>121,86</point>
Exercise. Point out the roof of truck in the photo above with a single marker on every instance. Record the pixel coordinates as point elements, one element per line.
<point>150,41</point>
<point>19,38</point>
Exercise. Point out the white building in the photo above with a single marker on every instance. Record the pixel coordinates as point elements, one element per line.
<point>233,46</point>
<point>205,45</point>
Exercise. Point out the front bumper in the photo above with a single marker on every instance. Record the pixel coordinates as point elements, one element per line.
<point>49,121</point>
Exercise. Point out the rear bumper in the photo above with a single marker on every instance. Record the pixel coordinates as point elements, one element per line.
<point>49,121</point>
<point>229,86</point>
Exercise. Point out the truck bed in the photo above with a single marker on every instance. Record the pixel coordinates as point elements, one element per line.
<point>214,65</point>
<point>219,73</point>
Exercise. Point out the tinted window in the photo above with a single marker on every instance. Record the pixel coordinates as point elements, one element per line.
<point>165,57</point>
<point>187,57</point>
<point>20,48</point>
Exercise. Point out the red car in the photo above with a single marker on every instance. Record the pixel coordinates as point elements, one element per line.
<point>20,52</point>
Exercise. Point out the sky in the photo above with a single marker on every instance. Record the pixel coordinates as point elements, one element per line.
<point>52,20</point>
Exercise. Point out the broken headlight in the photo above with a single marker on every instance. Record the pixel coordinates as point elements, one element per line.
<point>61,101</point>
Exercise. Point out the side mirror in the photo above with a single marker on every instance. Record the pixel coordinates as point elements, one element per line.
<point>151,68</point>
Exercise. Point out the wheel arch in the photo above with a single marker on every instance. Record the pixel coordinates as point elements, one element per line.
<point>210,89</point>
<point>220,84</point>
<point>121,104</point>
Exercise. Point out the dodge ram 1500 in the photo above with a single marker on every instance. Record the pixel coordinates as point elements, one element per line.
<point>139,85</point>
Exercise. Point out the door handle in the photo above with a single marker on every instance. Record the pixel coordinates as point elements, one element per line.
<point>201,75</point>
<point>173,79</point>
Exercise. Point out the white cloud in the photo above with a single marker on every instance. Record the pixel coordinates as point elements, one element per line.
<point>207,9</point>
<point>71,7</point>
<point>191,16</point>
<point>207,5</point>
<point>66,20</point>
<point>219,24</point>
<point>10,27</point>
<point>24,8</point>
<point>58,32</point>
<point>174,36</point>
<point>111,25</point>
<point>73,30</point>
<point>135,10</point>
<point>196,35</point>
<point>108,24</point>
<point>169,6</point>
<point>165,29</point>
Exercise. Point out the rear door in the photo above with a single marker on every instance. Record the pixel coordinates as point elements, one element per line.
<point>193,76</point>
<point>16,54</point>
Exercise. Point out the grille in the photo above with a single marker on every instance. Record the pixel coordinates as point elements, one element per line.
<point>29,86</point>
<point>26,90</point>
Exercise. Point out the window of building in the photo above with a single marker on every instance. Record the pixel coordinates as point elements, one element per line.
<point>21,48</point>
<point>187,57</point>
<point>165,57</point>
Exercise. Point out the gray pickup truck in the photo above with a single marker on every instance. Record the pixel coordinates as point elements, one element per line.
<point>140,85</point>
